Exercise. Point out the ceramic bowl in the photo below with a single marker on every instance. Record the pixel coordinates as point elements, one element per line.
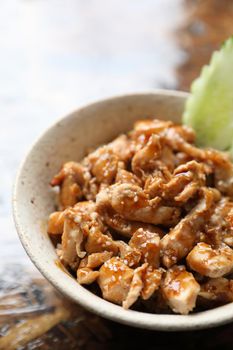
<point>33,199</point>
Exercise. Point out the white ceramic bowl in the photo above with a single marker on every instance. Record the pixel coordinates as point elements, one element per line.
<point>33,200</point>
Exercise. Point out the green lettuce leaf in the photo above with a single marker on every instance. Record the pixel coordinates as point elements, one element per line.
<point>209,109</point>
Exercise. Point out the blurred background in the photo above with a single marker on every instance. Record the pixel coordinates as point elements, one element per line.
<point>56,55</point>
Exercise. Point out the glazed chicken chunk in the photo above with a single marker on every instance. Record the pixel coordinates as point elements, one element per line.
<point>218,290</point>
<point>211,262</point>
<point>56,223</point>
<point>146,221</point>
<point>180,289</point>
<point>135,287</point>
<point>115,279</point>
<point>148,244</point>
<point>181,239</point>
<point>132,202</point>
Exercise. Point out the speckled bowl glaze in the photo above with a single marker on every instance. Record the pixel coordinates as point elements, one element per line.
<point>33,200</point>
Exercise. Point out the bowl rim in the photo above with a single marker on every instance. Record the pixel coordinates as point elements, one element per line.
<point>95,304</point>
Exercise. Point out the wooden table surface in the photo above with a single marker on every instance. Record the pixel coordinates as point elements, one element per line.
<point>56,55</point>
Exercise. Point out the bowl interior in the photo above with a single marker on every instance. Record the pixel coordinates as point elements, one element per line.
<point>33,201</point>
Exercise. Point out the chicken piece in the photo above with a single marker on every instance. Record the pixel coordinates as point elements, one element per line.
<point>85,216</point>
<point>219,229</point>
<point>144,159</point>
<point>219,290</point>
<point>106,160</point>
<point>144,129</point>
<point>122,147</point>
<point>96,259</point>
<point>181,186</point>
<point>71,179</point>
<point>148,244</point>
<point>83,262</point>
<point>167,158</point>
<point>151,282</point>
<point>228,234</point>
<point>103,164</point>
<point>154,184</point>
<point>117,222</point>
<point>211,262</point>
<point>174,140</point>
<point>115,279</point>
<point>124,176</point>
<point>125,227</point>
<point>86,276</point>
<point>71,243</point>
<point>222,166</point>
<point>135,287</point>
<point>131,202</point>
<point>186,181</point>
<point>91,189</point>
<point>182,158</point>
<point>80,222</point>
<point>188,192</point>
<point>180,289</point>
<point>180,240</point>
<point>224,181</point>
<point>56,223</point>
<point>130,256</point>
<point>70,193</point>
<point>223,171</point>
<point>73,169</point>
<point>185,132</point>
<point>98,242</point>
<point>59,251</point>
<point>149,127</point>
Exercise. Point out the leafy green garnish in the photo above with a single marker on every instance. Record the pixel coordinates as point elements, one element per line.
<point>209,108</point>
